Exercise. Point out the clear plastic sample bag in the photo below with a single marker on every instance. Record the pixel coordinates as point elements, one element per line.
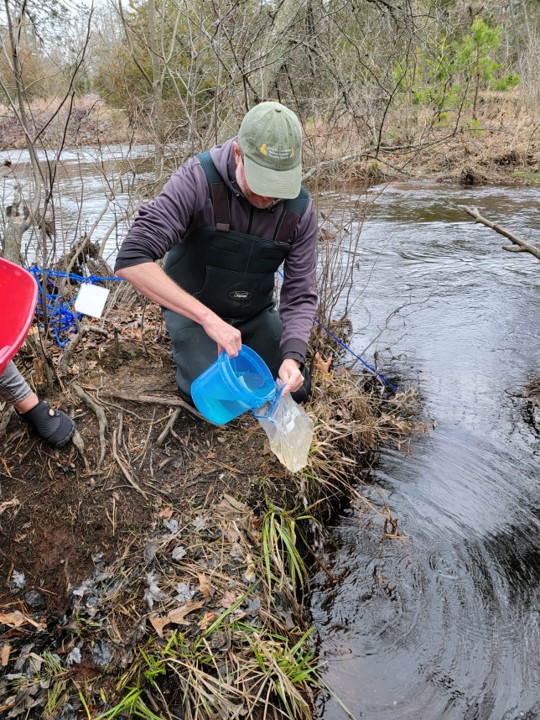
<point>289,429</point>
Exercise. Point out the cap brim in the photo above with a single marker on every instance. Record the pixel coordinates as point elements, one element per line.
<point>285,184</point>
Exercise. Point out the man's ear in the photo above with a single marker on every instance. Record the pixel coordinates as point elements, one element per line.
<point>237,152</point>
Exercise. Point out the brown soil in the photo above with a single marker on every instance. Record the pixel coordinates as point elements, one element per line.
<point>58,508</point>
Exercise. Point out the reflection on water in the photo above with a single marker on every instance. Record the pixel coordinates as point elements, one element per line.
<point>445,624</point>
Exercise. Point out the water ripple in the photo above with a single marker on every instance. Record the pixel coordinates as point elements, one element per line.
<point>444,623</point>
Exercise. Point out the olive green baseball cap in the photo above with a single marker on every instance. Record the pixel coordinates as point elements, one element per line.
<point>270,138</point>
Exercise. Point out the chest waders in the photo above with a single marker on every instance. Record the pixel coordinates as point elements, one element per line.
<point>232,273</point>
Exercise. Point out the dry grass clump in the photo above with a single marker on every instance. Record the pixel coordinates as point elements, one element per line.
<point>533,389</point>
<point>354,417</point>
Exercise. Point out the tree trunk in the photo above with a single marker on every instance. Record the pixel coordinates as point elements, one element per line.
<point>16,226</point>
<point>13,241</point>
<point>285,33</point>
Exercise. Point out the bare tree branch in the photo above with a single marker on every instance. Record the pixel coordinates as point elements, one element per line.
<point>522,245</point>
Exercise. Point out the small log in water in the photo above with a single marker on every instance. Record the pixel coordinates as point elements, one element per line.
<point>522,245</point>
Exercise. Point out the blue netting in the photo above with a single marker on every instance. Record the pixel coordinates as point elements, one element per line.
<point>61,316</point>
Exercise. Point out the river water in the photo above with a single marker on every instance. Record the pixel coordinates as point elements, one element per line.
<point>444,624</point>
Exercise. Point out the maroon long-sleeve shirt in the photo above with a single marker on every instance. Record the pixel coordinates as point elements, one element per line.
<point>184,205</point>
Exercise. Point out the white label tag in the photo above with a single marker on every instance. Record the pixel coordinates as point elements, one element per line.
<point>91,300</point>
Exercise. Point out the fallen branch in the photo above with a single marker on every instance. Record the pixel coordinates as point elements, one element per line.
<point>153,399</point>
<point>332,164</point>
<point>522,245</point>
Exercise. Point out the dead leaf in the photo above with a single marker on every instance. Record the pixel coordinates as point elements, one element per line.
<point>16,619</point>
<point>176,617</point>
<point>323,366</point>
<point>207,619</point>
<point>205,586</point>
<point>250,573</point>
<point>229,599</point>
<point>231,503</point>
<point>166,513</point>
<point>6,649</point>
<point>232,534</point>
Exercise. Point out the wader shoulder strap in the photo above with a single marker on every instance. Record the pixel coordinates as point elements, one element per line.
<point>290,217</point>
<point>218,193</point>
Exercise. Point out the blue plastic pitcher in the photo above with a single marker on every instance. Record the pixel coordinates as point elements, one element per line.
<point>233,385</point>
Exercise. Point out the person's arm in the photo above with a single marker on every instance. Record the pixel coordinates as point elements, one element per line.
<point>155,284</point>
<point>157,227</point>
<point>298,301</point>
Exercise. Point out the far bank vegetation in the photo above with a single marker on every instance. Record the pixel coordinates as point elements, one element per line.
<point>375,82</point>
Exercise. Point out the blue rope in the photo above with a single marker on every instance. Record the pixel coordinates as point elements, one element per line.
<point>371,369</point>
<point>62,318</point>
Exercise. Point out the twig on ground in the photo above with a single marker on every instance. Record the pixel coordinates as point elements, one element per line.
<point>170,401</point>
<point>102,419</point>
<point>145,447</point>
<point>124,469</point>
<point>167,428</point>
<point>112,519</point>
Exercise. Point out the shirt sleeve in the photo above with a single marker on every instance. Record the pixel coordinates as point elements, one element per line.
<point>163,222</point>
<point>298,298</point>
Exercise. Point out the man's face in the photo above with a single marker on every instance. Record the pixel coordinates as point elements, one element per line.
<point>258,201</point>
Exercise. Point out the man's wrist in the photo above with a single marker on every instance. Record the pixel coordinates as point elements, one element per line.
<point>298,362</point>
<point>295,349</point>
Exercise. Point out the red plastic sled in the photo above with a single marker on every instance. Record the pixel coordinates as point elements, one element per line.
<point>18,298</point>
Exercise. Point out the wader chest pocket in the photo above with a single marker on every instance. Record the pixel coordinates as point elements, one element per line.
<point>236,295</point>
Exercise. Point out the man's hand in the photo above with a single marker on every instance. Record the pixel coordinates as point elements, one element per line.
<point>290,375</point>
<point>228,338</point>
